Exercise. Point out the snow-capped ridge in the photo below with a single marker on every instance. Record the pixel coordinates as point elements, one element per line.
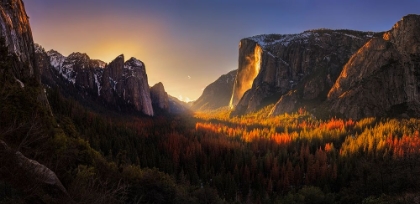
<point>79,56</point>
<point>121,84</point>
<point>56,59</point>
<point>271,39</point>
<point>266,40</point>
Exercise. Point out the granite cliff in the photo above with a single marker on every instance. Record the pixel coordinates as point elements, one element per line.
<point>345,73</point>
<point>23,109</point>
<point>305,65</point>
<point>125,85</point>
<point>16,31</point>
<point>382,78</point>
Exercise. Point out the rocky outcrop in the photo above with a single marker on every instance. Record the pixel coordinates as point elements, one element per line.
<point>31,176</point>
<point>308,63</point>
<point>15,29</point>
<point>286,104</point>
<point>108,84</point>
<point>76,69</point>
<point>160,100</point>
<point>125,85</point>
<point>120,85</point>
<point>217,94</point>
<point>383,77</point>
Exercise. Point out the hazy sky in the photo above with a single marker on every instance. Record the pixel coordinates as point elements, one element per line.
<point>187,44</point>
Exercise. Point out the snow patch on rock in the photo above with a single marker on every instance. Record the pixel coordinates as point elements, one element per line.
<point>22,85</point>
<point>56,60</point>
<point>98,84</point>
<point>38,48</point>
<point>285,40</point>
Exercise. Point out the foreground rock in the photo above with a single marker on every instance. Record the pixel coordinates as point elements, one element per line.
<point>32,177</point>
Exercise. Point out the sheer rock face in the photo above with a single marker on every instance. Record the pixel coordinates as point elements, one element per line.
<point>383,77</point>
<point>217,94</point>
<point>159,97</point>
<point>272,65</point>
<point>19,171</point>
<point>15,29</point>
<point>125,84</point>
<point>109,80</point>
<point>347,73</point>
<point>119,85</point>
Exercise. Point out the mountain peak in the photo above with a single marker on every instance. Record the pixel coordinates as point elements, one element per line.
<point>56,58</point>
<point>159,97</point>
<point>98,63</point>
<point>53,52</point>
<point>159,84</point>
<point>134,62</point>
<point>79,55</point>
<point>38,48</point>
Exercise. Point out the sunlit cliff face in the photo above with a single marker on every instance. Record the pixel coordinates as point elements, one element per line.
<point>247,71</point>
<point>387,36</point>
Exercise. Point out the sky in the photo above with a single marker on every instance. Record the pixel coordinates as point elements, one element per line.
<point>188,44</point>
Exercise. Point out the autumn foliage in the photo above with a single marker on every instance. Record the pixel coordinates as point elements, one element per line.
<point>211,157</point>
<point>292,151</point>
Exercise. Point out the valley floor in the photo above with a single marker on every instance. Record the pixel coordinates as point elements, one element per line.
<point>212,158</point>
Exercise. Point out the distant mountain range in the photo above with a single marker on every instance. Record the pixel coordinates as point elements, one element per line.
<point>346,73</point>
<point>120,85</point>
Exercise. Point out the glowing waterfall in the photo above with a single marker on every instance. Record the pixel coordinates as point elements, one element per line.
<point>247,71</point>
